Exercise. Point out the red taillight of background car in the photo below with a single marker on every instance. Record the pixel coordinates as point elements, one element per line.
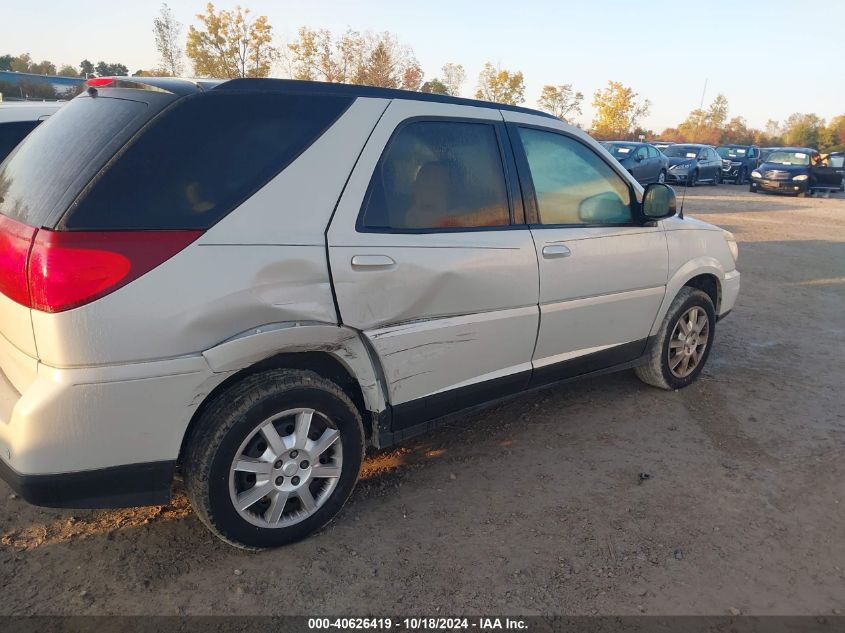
<point>68,269</point>
<point>54,271</point>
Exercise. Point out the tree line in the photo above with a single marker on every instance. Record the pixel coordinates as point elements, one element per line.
<point>232,43</point>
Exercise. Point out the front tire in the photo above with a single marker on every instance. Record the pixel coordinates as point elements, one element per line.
<point>740,177</point>
<point>274,458</point>
<point>679,351</point>
<point>692,179</point>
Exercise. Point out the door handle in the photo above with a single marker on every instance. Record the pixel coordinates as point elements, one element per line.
<point>372,261</point>
<point>554,251</point>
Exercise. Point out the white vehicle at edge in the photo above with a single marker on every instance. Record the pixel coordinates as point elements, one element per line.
<point>251,281</point>
<point>19,118</point>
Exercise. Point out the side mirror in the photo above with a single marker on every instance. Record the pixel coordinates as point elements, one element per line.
<point>659,201</point>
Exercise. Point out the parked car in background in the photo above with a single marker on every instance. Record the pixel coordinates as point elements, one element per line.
<point>795,170</point>
<point>661,145</point>
<point>765,151</point>
<point>166,304</point>
<point>741,161</point>
<point>19,118</point>
<point>692,163</point>
<point>643,160</point>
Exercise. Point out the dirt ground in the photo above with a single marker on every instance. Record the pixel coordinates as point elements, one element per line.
<point>536,506</point>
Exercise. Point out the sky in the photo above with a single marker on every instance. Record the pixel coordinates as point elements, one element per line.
<point>770,58</point>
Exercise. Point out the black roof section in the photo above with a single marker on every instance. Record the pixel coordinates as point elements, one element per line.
<point>295,86</point>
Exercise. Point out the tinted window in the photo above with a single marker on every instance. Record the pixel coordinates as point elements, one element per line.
<point>13,133</point>
<point>202,158</point>
<point>572,184</point>
<point>438,174</point>
<point>642,152</point>
<point>60,156</point>
<point>836,161</point>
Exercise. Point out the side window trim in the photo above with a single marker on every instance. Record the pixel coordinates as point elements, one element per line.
<point>532,212</point>
<point>516,209</point>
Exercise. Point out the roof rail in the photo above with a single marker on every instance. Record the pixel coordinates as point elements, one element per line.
<point>350,90</point>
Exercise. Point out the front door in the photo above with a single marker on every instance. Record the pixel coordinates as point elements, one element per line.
<point>602,274</point>
<point>827,172</point>
<point>431,260</point>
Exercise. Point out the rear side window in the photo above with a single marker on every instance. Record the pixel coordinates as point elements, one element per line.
<point>62,154</point>
<point>202,158</point>
<point>652,152</point>
<point>13,133</point>
<point>572,184</point>
<point>438,175</point>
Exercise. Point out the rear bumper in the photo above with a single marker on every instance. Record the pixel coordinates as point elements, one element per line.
<point>99,437</point>
<point>116,487</point>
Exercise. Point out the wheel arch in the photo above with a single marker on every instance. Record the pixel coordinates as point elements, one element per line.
<point>703,273</point>
<point>336,353</point>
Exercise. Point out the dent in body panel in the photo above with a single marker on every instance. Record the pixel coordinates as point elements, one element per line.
<point>202,296</point>
<point>433,355</point>
<point>343,343</point>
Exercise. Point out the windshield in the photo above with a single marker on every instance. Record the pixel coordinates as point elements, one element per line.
<point>681,151</point>
<point>621,151</point>
<point>61,155</point>
<point>732,152</point>
<point>789,158</point>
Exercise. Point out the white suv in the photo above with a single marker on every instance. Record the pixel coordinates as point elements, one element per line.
<point>251,281</point>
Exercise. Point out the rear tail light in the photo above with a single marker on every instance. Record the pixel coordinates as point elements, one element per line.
<point>15,242</point>
<point>54,271</point>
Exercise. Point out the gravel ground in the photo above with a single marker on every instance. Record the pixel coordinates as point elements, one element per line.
<point>536,506</point>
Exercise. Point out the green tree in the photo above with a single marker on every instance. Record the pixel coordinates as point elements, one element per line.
<point>835,137</point>
<point>561,100</point>
<point>435,86</point>
<point>803,130</point>
<point>501,86</point>
<point>168,32</point>
<point>6,62</point>
<point>706,125</point>
<point>231,44</point>
<point>67,71</point>
<point>21,64</point>
<point>618,110</point>
<point>105,69</point>
<point>86,68</point>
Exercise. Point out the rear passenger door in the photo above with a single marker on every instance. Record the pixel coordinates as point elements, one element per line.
<point>602,273</point>
<point>430,258</point>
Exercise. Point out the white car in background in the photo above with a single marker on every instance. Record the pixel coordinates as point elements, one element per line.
<point>251,281</point>
<point>19,118</point>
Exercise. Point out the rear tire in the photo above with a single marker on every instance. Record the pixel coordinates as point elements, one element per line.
<point>717,178</point>
<point>661,177</point>
<point>692,179</point>
<point>289,433</point>
<point>668,363</point>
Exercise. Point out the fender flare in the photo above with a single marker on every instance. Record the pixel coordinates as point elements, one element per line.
<point>704,265</point>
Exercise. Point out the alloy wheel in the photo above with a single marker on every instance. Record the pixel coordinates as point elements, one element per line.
<point>688,342</point>
<point>286,468</point>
